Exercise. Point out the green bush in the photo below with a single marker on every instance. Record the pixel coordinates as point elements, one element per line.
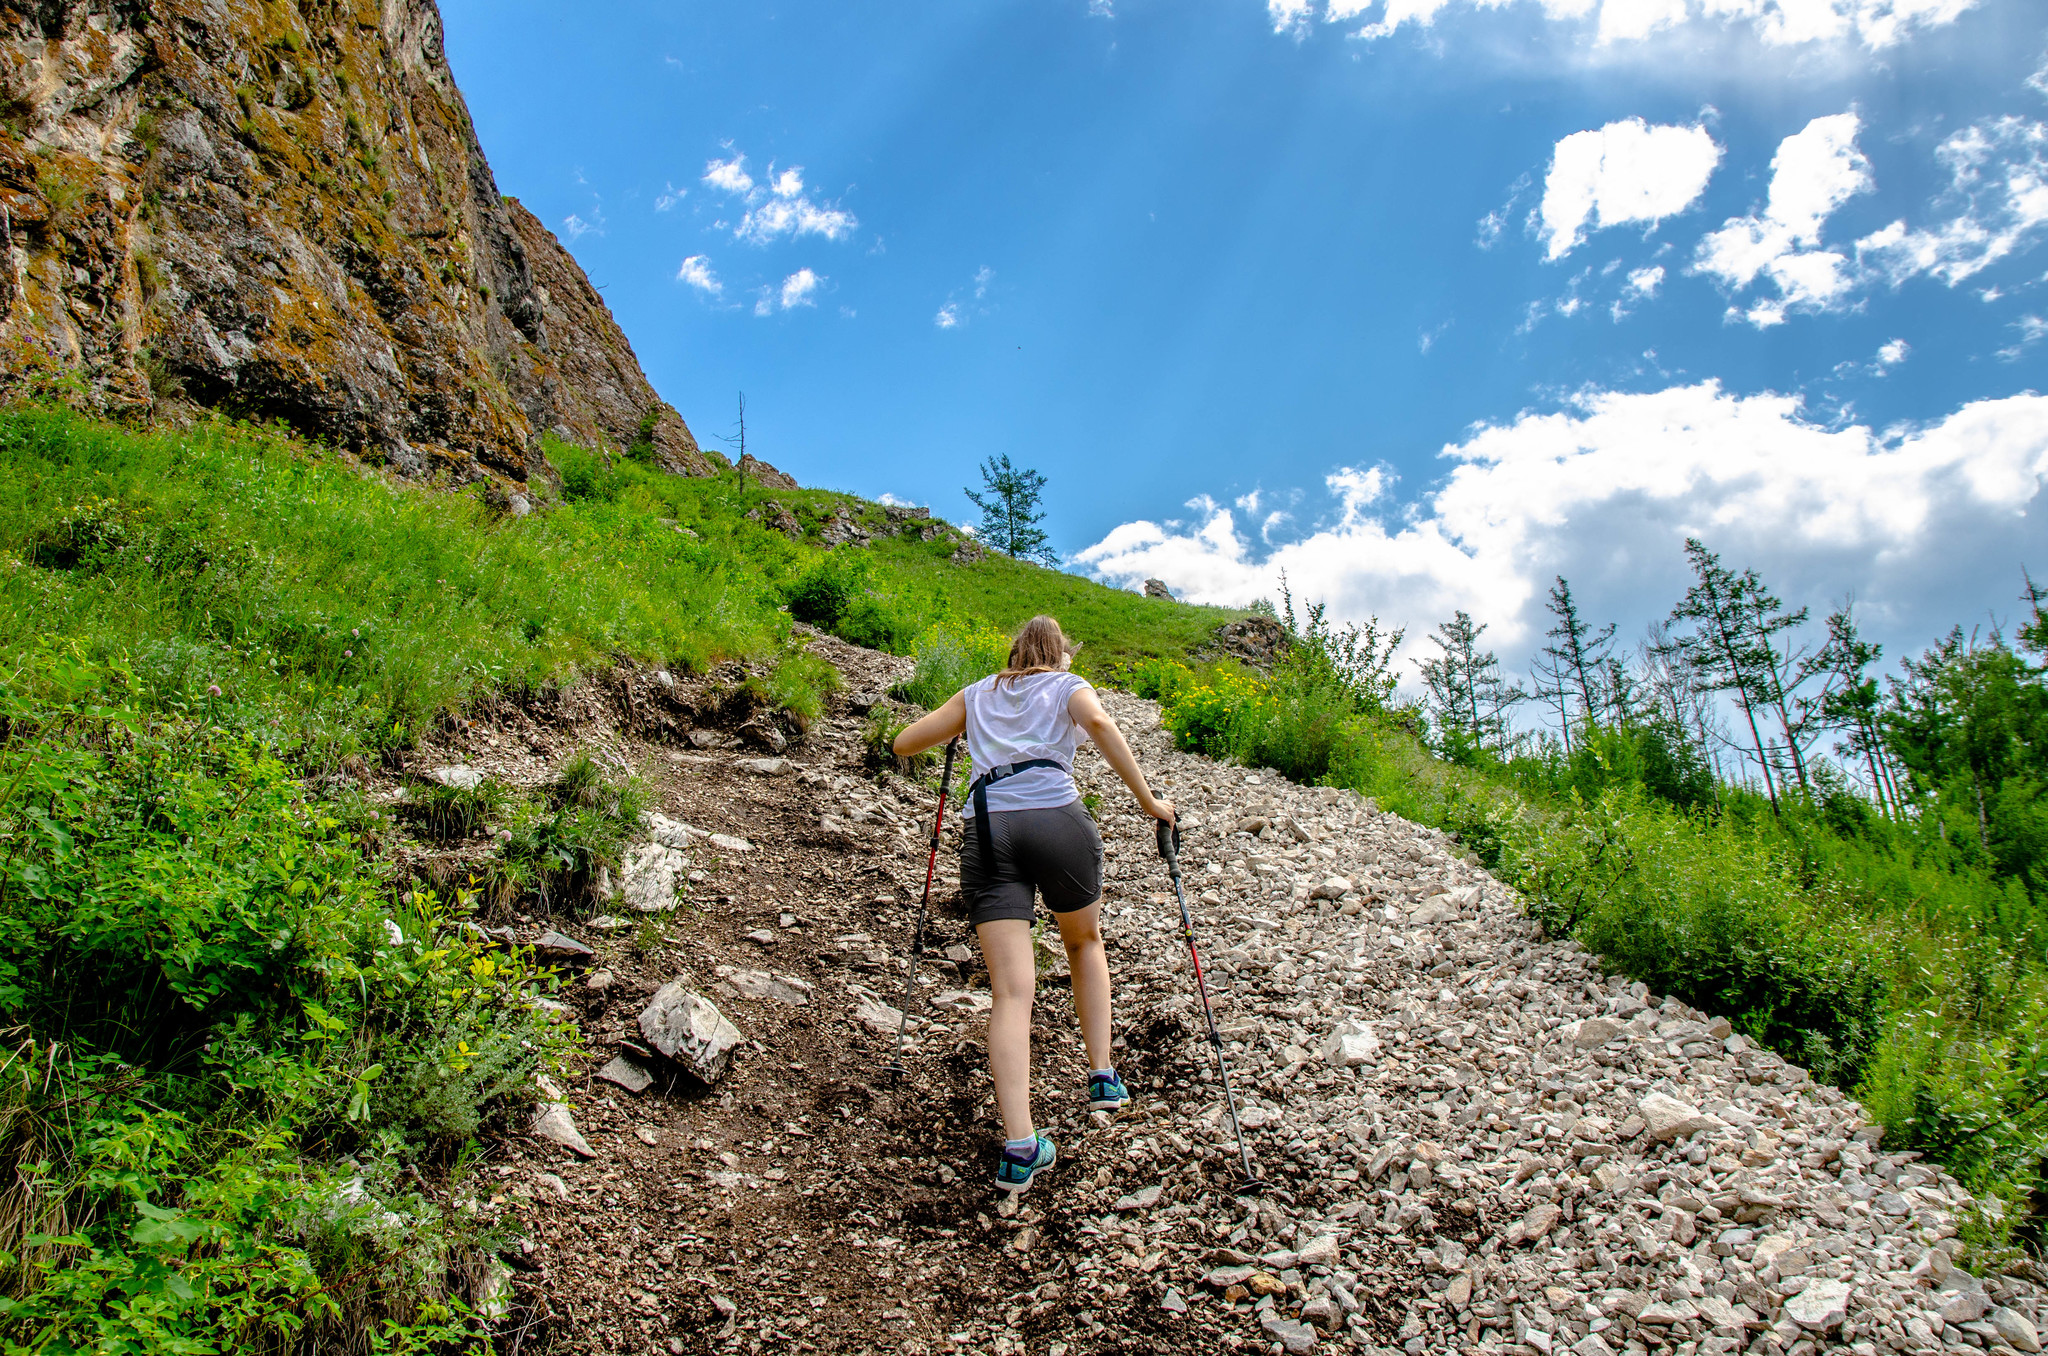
<point>800,683</point>
<point>950,656</point>
<point>554,850</point>
<point>242,1002</point>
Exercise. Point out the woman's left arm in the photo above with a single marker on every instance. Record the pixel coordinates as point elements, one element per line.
<point>948,722</point>
<point>1086,710</point>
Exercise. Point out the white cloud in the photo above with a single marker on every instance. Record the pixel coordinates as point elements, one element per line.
<point>955,313</point>
<point>799,289</point>
<point>2038,81</point>
<point>669,197</point>
<point>1998,172</point>
<point>1490,227</point>
<point>576,227</point>
<point>1290,16</point>
<point>1627,171</point>
<point>1893,353</point>
<point>730,176</point>
<point>779,207</point>
<point>696,271</point>
<point>1427,340</point>
<point>1642,285</point>
<point>2032,330</point>
<point>1815,171</point>
<point>1874,24</point>
<point>1921,524</point>
<point>1101,9</point>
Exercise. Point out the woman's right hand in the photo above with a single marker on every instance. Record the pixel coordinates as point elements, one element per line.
<point>1160,809</point>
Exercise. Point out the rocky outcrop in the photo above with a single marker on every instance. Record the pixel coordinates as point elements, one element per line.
<point>281,211</point>
<point>764,475</point>
<point>600,396</point>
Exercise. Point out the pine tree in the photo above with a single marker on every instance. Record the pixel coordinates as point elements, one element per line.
<point>1849,703</point>
<point>1010,512</point>
<point>1468,697</point>
<point>1720,652</point>
<point>1579,652</point>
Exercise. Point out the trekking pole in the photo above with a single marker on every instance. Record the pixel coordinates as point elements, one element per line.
<point>931,862</point>
<point>1169,848</point>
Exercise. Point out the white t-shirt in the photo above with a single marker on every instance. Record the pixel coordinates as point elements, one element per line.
<point>1023,719</point>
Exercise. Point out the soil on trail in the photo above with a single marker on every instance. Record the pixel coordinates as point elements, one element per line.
<point>809,1200</point>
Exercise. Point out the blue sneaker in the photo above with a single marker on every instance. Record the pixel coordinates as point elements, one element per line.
<point>1106,1093</point>
<point>1013,1176</point>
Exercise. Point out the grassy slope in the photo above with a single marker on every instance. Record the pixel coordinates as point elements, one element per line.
<point>191,623</point>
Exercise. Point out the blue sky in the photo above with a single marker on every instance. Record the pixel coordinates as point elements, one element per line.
<point>1423,305</point>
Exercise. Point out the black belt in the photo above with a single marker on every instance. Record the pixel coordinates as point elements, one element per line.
<point>979,794</point>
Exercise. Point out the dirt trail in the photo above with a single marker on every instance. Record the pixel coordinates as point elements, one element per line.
<point>1450,1111</point>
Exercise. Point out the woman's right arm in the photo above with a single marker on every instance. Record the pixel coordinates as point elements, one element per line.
<point>948,722</point>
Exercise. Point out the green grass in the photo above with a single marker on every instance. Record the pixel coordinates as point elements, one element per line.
<point>1117,628</point>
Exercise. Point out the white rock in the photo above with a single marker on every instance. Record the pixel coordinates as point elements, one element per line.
<point>760,984</point>
<point>1142,1199</point>
<point>652,872</point>
<point>457,778</point>
<point>882,1019</point>
<point>671,832</point>
<point>1822,1305</point>
<point>1595,1032</point>
<point>1320,1251</point>
<point>725,842</point>
<point>768,767</point>
<point>1351,1045</point>
<point>553,1121</point>
<point>1667,1118</point>
<point>2014,1329</point>
<point>1333,887</point>
<point>688,1028</point>
<point>1435,909</point>
<point>626,1073</point>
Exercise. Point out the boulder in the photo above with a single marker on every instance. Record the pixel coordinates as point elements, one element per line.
<point>1350,1045</point>
<point>1156,588</point>
<point>1666,1118</point>
<point>2014,1329</point>
<point>1595,1032</point>
<point>457,778</point>
<point>764,475</point>
<point>652,872</point>
<point>561,949</point>
<point>725,842</point>
<point>1320,1251</point>
<point>1435,909</point>
<point>1821,1306</point>
<point>1333,887</point>
<point>688,1028</point>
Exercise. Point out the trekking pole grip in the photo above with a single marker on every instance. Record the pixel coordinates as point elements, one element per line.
<point>1169,841</point>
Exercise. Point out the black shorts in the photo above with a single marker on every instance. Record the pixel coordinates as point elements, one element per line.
<point>1056,852</point>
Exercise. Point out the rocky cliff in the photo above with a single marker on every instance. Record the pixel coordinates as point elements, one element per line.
<point>279,209</point>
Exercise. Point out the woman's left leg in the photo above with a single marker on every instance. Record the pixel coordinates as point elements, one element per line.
<point>1012,983</point>
<point>1088,963</point>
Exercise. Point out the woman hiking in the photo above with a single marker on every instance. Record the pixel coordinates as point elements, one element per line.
<point>1026,830</point>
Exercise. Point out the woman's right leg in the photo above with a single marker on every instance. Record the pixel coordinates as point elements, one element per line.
<point>1013,983</point>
